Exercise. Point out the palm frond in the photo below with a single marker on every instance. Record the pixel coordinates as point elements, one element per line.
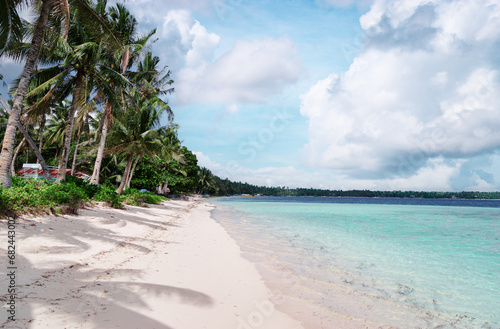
<point>96,24</point>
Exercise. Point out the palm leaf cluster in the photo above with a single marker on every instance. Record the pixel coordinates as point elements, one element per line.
<point>89,83</point>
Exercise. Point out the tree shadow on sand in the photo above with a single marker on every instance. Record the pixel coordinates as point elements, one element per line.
<point>73,292</point>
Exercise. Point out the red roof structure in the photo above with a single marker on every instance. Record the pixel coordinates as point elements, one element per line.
<point>53,173</point>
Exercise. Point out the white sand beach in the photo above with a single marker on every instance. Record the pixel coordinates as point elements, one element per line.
<point>168,266</point>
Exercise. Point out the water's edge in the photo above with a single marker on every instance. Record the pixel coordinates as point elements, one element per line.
<point>310,286</point>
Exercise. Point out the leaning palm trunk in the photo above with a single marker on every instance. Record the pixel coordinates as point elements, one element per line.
<point>46,172</point>
<point>10,132</point>
<point>63,161</point>
<point>18,148</point>
<point>120,188</point>
<point>100,151</point>
<point>31,143</point>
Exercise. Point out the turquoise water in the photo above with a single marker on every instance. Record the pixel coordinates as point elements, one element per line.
<point>394,265</point>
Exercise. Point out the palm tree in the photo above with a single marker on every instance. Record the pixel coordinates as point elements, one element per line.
<point>30,141</point>
<point>120,19</point>
<point>205,179</point>
<point>9,22</point>
<point>3,121</point>
<point>12,124</point>
<point>137,133</point>
<point>79,69</point>
<point>56,126</point>
<point>82,122</point>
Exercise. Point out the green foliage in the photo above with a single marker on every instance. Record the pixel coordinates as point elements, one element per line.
<point>68,194</point>
<point>182,176</point>
<point>106,193</point>
<point>149,174</point>
<point>29,195</point>
<point>90,190</point>
<point>133,197</point>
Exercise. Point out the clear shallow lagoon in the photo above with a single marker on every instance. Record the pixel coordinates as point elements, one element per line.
<point>407,263</point>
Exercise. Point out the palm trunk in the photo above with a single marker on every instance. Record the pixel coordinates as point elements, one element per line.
<point>12,169</point>
<point>31,143</point>
<point>42,127</point>
<point>100,151</point>
<point>132,171</point>
<point>125,174</point>
<point>63,161</point>
<point>10,132</point>
<point>76,150</point>
<point>46,172</point>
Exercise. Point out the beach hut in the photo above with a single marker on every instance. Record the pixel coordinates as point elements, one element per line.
<point>30,170</point>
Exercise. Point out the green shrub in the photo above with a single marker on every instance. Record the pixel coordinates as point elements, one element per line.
<point>133,197</point>
<point>152,198</point>
<point>68,194</point>
<point>84,184</point>
<point>25,196</point>
<point>19,181</point>
<point>38,196</point>
<point>106,193</point>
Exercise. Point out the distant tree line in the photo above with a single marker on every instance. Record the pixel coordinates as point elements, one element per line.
<point>217,186</point>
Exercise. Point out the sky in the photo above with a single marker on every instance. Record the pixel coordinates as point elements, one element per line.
<point>334,94</point>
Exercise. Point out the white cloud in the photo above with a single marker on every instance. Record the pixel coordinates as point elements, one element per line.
<point>251,71</point>
<point>424,88</point>
<point>267,176</point>
<point>481,185</point>
<point>185,42</point>
<point>437,176</point>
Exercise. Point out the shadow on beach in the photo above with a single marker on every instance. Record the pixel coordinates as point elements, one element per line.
<point>66,280</point>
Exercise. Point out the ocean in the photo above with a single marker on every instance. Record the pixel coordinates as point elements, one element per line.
<point>374,263</point>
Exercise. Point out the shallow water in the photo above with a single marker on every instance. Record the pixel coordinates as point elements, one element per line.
<point>387,262</point>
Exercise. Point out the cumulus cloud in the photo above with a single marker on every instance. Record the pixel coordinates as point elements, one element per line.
<point>251,71</point>
<point>185,42</point>
<point>267,176</point>
<point>437,176</point>
<point>424,89</point>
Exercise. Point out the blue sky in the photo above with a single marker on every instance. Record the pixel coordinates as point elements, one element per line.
<point>336,94</point>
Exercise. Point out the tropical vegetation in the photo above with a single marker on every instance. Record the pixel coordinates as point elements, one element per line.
<point>92,98</point>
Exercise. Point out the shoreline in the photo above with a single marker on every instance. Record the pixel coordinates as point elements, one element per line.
<point>166,266</point>
<point>324,292</point>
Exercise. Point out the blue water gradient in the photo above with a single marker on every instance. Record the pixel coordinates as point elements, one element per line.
<point>417,262</point>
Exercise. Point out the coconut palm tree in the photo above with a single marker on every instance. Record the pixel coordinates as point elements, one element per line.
<point>12,124</point>
<point>120,19</point>
<point>205,179</point>
<point>80,67</point>
<point>56,126</point>
<point>137,133</point>
<point>9,22</point>
<point>28,139</point>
